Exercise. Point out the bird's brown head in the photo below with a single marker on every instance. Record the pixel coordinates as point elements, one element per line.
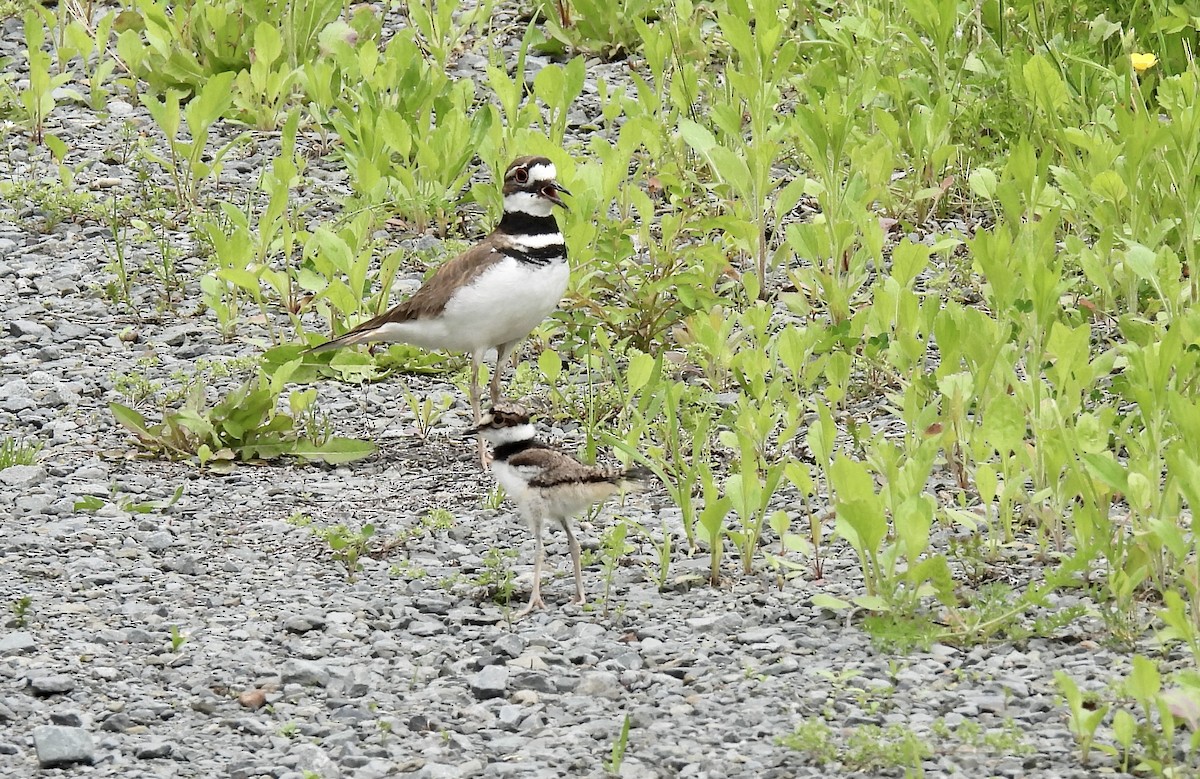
<point>505,414</point>
<point>505,422</point>
<point>530,186</point>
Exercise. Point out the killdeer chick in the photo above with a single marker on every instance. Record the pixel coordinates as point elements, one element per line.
<point>546,484</point>
<point>492,295</point>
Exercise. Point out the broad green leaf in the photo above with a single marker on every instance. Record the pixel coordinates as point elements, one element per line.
<point>89,503</point>
<point>1142,261</point>
<point>1144,681</point>
<point>268,44</point>
<point>550,366</point>
<point>1104,467</point>
<point>696,136</point>
<point>131,420</point>
<point>212,102</point>
<point>871,603</point>
<point>640,370</point>
<point>334,451</point>
<point>1045,84</point>
<point>823,601</point>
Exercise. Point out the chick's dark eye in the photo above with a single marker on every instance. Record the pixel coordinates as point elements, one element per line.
<point>521,175</point>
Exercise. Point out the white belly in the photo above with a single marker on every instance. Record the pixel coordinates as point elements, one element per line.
<point>501,306</point>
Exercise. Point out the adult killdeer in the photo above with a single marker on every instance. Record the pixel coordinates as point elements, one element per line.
<point>492,295</point>
<point>546,483</point>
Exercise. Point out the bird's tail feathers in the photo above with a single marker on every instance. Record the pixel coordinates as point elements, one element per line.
<point>637,475</point>
<point>356,336</point>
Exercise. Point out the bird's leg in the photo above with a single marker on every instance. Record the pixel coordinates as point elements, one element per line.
<point>576,564</point>
<point>503,351</point>
<point>535,597</point>
<point>476,413</point>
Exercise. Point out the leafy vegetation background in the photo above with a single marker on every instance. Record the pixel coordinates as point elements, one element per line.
<point>908,278</point>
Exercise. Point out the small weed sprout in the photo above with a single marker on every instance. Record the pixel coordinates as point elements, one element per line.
<point>20,608</point>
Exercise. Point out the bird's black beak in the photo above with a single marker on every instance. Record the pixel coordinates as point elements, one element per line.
<point>551,191</point>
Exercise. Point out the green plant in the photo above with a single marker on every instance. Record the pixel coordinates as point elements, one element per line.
<point>815,738</point>
<point>38,100</point>
<point>20,608</point>
<point>406,128</point>
<point>494,498</point>
<point>1085,714</point>
<point>426,412</point>
<point>443,26</point>
<point>93,503</point>
<point>264,89</point>
<point>620,745</point>
<point>177,639</point>
<point>57,202</point>
<point>496,580</point>
<point>862,748</point>
<point>667,413</point>
<point>663,548</point>
<point>347,546</point>
<point>188,161</point>
<point>182,45</point>
<point>613,548</point>
<point>13,452</point>
<point>607,29</point>
<point>119,290</point>
<point>245,425</point>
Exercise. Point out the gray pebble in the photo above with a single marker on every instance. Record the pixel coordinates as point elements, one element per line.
<point>304,672</point>
<point>17,643</point>
<point>599,684</point>
<point>490,682</point>
<point>156,542</point>
<point>60,746</point>
<point>51,685</point>
<point>154,750</point>
<point>23,476</point>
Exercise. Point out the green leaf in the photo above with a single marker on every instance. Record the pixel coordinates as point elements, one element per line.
<point>823,601</point>
<point>1142,261</point>
<point>1045,84</point>
<point>696,136</point>
<point>860,516</point>
<point>89,503</point>
<point>132,421</point>
<point>207,107</point>
<point>871,603</point>
<point>1104,467</point>
<point>640,370</point>
<point>335,451</point>
<point>268,44</point>
<point>1144,681</point>
<point>550,366</point>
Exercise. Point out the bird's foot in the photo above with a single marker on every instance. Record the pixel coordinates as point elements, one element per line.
<point>535,602</point>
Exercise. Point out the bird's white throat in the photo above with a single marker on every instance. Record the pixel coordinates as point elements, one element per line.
<point>527,203</point>
<point>499,436</point>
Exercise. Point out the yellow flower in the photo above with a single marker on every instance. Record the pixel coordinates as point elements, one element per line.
<point>1142,62</point>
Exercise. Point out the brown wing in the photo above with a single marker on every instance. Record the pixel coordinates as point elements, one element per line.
<point>431,298</point>
<point>554,468</point>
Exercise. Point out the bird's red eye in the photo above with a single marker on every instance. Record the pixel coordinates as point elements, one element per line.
<point>521,175</point>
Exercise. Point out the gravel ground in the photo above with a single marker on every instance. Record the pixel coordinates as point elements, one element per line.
<point>214,638</point>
